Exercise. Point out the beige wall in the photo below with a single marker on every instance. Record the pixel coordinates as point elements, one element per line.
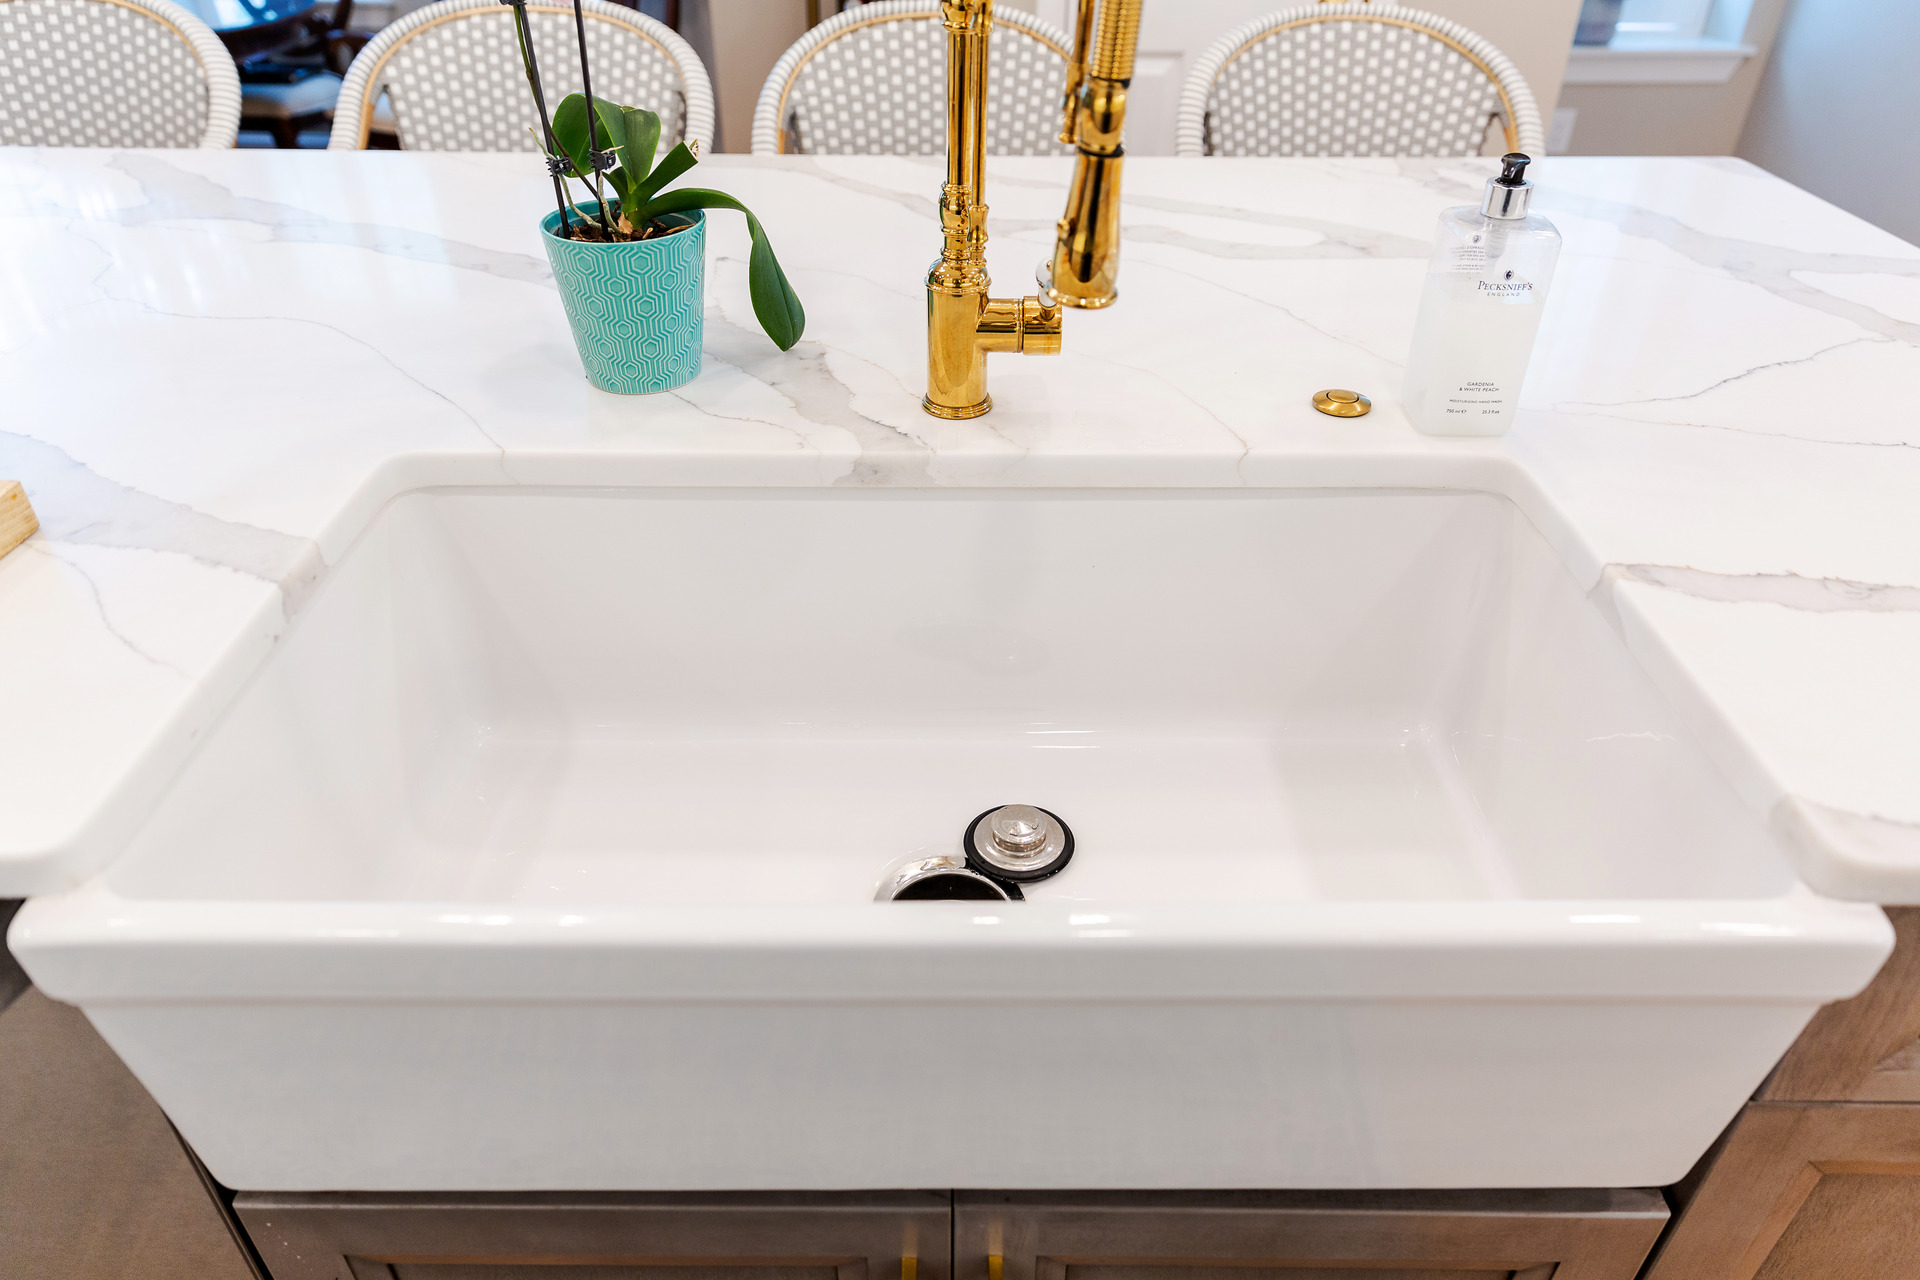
<point>746,38</point>
<point>1673,119</point>
<point>1536,34</point>
<point>1838,66</point>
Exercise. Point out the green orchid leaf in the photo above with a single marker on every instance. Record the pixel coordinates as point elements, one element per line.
<point>570,132</point>
<point>639,139</point>
<point>622,189</point>
<point>632,134</point>
<point>774,300</point>
<point>677,162</point>
<point>611,128</point>
<point>612,122</point>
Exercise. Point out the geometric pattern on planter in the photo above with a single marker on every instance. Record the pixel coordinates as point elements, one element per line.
<point>636,308</point>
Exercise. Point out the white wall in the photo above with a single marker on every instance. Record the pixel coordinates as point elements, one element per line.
<point>1838,111</point>
<point>1676,119</point>
<point>742,41</point>
<point>1536,34</point>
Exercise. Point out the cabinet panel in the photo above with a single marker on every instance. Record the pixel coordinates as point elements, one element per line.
<point>1895,1079</point>
<point>890,1235</point>
<point>1284,1272</point>
<point>571,1271</point>
<point>1853,1226</point>
<point>1569,1235</point>
<point>1819,1177</point>
<point>1804,1191</point>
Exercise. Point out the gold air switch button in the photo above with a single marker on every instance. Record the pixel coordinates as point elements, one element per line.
<point>1342,404</point>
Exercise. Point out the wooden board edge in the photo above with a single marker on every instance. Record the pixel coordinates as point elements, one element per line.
<point>17,521</point>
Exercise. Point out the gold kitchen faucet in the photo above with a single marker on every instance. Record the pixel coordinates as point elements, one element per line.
<point>965,324</point>
<point>1086,251</point>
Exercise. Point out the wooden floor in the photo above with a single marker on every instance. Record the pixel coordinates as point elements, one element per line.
<point>93,1184</point>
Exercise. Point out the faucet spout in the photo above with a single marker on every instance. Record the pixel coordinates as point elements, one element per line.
<point>1086,251</point>
<point>964,324</point>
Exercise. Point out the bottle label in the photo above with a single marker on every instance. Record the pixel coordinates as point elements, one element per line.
<point>1508,288</point>
<point>1471,262</point>
<point>1475,400</point>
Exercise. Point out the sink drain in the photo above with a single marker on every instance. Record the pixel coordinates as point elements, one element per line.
<point>1004,848</point>
<point>1019,843</point>
<point>945,878</point>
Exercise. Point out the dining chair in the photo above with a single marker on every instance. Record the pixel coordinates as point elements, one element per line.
<point>872,81</point>
<point>113,73</point>
<point>1349,78</point>
<point>451,73</point>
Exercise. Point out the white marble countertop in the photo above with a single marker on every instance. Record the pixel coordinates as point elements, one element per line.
<point>215,366</point>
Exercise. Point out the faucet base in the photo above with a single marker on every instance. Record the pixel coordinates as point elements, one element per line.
<point>1085,300</point>
<point>953,411</point>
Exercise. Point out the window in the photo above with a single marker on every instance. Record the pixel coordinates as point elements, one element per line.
<point>1660,42</point>
<point>1667,23</point>
<point>1664,19</point>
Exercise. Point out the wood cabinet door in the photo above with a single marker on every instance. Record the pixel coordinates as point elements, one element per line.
<point>1804,1191</point>
<point>886,1235</point>
<point>1219,1235</point>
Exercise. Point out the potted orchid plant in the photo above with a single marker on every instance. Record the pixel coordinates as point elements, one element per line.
<point>630,258</point>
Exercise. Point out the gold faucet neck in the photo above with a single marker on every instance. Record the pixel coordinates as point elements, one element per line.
<point>1086,253</point>
<point>963,323</point>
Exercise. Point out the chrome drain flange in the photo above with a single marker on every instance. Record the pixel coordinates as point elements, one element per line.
<point>1018,843</point>
<point>943,878</point>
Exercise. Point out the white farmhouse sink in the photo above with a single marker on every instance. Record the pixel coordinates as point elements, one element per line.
<point>542,852</point>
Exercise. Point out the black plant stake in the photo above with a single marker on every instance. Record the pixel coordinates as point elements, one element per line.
<point>600,160</point>
<point>530,63</point>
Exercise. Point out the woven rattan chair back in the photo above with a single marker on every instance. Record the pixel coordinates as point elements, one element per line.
<point>872,81</point>
<point>113,73</point>
<point>1355,79</point>
<point>451,72</point>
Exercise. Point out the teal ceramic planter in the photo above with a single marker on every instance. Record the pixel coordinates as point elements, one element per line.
<point>636,308</point>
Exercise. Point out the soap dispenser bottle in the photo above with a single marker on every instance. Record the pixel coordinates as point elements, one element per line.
<point>1486,285</point>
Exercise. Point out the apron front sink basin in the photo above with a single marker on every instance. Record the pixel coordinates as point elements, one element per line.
<point>542,852</point>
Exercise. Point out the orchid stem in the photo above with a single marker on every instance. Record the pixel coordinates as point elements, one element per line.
<point>530,63</point>
<point>593,134</point>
